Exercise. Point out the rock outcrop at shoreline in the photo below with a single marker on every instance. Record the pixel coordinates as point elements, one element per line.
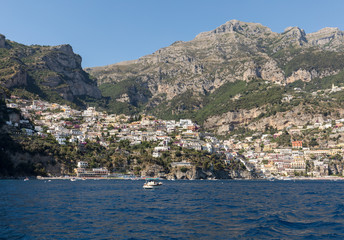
<point>195,173</point>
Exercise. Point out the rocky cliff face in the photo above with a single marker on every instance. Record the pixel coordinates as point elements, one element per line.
<point>45,70</point>
<point>198,173</point>
<point>224,123</point>
<point>194,173</point>
<point>16,79</point>
<point>2,41</point>
<point>61,60</point>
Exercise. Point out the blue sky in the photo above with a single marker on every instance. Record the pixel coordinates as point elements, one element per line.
<point>109,31</point>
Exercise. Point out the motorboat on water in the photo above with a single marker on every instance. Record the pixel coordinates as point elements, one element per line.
<point>150,184</point>
<point>26,179</point>
<point>147,186</point>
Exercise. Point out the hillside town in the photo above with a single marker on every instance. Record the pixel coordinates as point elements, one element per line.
<point>262,152</point>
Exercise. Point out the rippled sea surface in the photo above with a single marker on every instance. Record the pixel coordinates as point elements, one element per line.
<point>122,209</point>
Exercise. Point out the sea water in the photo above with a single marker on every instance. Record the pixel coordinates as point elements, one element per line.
<point>122,209</point>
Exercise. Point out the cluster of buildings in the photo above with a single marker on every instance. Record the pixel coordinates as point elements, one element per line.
<point>291,162</point>
<point>263,152</point>
<point>70,125</point>
<point>259,151</point>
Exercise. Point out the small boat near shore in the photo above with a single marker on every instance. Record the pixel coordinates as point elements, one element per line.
<point>151,184</point>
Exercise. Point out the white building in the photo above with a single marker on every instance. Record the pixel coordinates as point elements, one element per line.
<point>82,164</point>
<point>184,123</point>
<point>61,140</point>
<point>90,112</point>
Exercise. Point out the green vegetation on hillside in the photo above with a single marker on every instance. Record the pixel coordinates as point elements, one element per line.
<point>41,154</point>
<point>129,86</point>
<point>184,105</point>
<point>137,95</point>
<point>252,94</point>
<point>314,59</point>
<point>231,96</point>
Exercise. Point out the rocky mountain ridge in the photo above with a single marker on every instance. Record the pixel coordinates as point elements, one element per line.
<point>246,51</point>
<point>184,78</point>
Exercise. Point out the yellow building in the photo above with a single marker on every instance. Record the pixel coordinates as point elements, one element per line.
<point>298,163</point>
<point>267,148</point>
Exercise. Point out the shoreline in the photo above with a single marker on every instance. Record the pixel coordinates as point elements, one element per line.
<point>70,178</point>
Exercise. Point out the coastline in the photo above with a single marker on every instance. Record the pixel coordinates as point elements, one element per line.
<point>71,178</point>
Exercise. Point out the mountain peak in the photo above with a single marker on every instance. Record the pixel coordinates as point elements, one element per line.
<point>325,36</point>
<point>329,30</point>
<point>65,48</point>
<point>293,29</point>
<point>231,26</point>
<point>236,26</point>
<point>294,35</point>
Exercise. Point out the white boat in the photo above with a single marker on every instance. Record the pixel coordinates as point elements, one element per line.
<point>147,186</point>
<point>150,184</point>
<point>286,178</point>
<point>26,179</point>
<point>73,179</point>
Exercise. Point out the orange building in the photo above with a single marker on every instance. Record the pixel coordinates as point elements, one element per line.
<point>192,127</point>
<point>296,144</point>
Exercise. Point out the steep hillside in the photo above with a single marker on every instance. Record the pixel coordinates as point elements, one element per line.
<point>52,73</point>
<point>235,68</point>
